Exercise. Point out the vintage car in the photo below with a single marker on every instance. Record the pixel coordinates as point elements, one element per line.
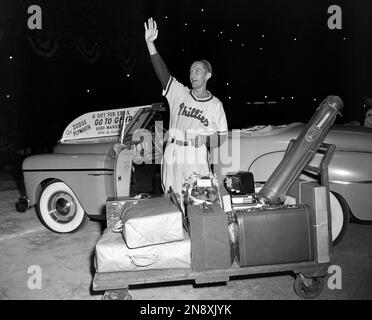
<point>94,161</point>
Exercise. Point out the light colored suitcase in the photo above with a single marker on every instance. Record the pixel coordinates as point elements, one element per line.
<point>152,221</point>
<point>113,255</point>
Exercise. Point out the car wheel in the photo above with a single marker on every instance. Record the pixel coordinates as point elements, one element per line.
<point>340,217</point>
<point>59,209</point>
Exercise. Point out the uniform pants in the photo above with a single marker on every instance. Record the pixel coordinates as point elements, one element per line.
<point>179,162</point>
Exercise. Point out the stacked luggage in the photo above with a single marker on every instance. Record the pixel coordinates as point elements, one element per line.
<point>156,233</point>
<point>151,235</point>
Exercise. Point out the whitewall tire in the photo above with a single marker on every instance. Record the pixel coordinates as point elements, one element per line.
<point>340,213</point>
<point>59,209</point>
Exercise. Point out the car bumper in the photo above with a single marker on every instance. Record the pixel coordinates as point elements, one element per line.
<point>22,204</point>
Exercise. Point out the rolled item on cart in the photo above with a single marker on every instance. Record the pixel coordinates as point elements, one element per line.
<point>300,153</point>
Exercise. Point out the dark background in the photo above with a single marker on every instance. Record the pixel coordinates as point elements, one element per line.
<point>91,55</point>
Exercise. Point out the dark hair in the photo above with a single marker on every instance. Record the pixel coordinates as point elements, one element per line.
<point>206,65</point>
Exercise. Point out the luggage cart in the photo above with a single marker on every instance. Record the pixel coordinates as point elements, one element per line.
<point>309,276</point>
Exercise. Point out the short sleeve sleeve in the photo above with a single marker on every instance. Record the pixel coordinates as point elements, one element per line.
<point>174,92</point>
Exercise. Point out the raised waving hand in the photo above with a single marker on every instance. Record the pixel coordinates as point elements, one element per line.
<point>151,30</point>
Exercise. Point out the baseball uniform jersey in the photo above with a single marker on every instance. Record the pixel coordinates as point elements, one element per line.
<point>189,117</point>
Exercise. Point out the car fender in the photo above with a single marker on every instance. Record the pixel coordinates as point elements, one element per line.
<point>350,175</point>
<point>90,177</point>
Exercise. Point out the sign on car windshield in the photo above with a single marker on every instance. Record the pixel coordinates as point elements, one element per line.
<point>98,124</point>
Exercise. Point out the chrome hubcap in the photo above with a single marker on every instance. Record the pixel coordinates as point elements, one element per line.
<point>62,207</point>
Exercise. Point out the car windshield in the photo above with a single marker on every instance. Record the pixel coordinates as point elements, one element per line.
<point>140,120</point>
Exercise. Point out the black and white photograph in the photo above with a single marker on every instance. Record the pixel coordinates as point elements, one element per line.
<point>186,155</point>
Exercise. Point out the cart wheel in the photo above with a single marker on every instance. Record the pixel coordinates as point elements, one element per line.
<point>308,288</point>
<point>122,294</point>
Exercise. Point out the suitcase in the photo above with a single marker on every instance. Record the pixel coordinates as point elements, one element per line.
<point>115,207</point>
<point>152,221</point>
<point>210,242</point>
<point>275,235</point>
<point>113,255</point>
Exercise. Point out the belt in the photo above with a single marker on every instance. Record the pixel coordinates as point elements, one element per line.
<point>193,142</point>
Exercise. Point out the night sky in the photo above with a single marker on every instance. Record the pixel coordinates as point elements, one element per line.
<point>91,55</point>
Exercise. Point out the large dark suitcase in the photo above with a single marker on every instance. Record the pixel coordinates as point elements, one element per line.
<point>210,241</point>
<point>275,235</point>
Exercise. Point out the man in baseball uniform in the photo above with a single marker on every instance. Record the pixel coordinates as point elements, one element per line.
<point>195,116</point>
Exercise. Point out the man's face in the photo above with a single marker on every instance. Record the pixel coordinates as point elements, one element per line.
<point>198,75</point>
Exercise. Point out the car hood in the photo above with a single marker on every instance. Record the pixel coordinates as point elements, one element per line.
<point>98,147</point>
<point>350,138</point>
